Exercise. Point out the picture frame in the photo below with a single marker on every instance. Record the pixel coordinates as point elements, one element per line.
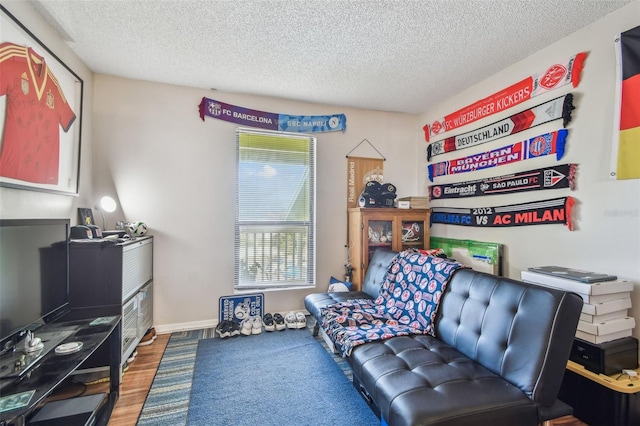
<point>43,155</point>
<point>85,216</point>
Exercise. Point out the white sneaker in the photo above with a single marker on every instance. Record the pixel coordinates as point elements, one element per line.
<point>256,328</point>
<point>246,326</point>
<point>301,320</point>
<point>290,320</point>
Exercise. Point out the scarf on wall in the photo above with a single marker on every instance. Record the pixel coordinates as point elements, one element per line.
<point>549,143</point>
<point>554,177</point>
<point>557,75</point>
<point>543,212</point>
<point>549,111</point>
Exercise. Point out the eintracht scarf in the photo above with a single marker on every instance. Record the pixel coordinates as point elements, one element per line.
<point>535,213</point>
<point>551,110</point>
<point>555,76</point>
<point>554,177</point>
<point>549,143</point>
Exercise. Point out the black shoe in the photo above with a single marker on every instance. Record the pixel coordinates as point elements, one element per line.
<point>223,329</point>
<point>234,328</point>
<point>279,320</point>
<point>269,325</point>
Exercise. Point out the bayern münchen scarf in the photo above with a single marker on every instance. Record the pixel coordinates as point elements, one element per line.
<point>543,212</point>
<point>551,110</point>
<point>554,177</point>
<point>555,76</point>
<point>549,143</point>
<point>269,120</point>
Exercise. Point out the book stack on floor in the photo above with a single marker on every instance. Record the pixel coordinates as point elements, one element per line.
<point>606,300</point>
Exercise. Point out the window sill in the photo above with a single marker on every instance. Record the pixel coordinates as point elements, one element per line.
<point>269,290</point>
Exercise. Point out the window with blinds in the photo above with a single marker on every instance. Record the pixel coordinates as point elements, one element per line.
<point>275,210</point>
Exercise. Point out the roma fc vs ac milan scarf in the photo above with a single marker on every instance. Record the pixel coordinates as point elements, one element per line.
<point>551,110</point>
<point>557,75</point>
<point>549,143</point>
<point>542,212</point>
<point>554,177</point>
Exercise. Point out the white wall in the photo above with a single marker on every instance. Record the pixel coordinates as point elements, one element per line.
<point>607,214</point>
<point>168,168</point>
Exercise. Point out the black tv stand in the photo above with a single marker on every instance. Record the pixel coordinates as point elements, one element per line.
<point>21,397</point>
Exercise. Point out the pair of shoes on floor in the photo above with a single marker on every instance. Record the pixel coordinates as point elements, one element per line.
<point>251,325</point>
<point>228,329</point>
<point>149,337</point>
<point>273,322</point>
<point>295,320</point>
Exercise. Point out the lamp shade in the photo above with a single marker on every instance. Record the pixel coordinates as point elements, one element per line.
<point>107,204</point>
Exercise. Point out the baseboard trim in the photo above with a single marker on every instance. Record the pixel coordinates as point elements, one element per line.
<point>198,325</point>
<point>185,326</point>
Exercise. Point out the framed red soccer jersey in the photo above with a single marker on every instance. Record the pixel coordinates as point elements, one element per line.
<point>35,110</point>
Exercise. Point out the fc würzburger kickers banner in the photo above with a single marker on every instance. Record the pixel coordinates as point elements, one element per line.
<point>544,212</point>
<point>271,121</point>
<point>557,75</point>
<point>548,111</point>
<point>549,143</point>
<point>554,177</point>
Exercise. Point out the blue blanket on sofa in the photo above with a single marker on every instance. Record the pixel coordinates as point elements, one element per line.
<point>407,304</point>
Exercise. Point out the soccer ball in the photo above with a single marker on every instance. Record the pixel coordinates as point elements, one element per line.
<point>139,228</point>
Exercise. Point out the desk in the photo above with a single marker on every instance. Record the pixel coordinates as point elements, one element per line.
<point>53,369</point>
<point>601,400</point>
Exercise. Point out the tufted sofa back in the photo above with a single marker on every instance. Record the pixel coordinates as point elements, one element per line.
<point>512,328</point>
<point>377,271</point>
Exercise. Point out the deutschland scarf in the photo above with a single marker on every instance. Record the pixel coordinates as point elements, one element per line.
<point>549,111</point>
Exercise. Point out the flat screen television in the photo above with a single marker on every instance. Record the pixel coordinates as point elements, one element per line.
<point>34,275</point>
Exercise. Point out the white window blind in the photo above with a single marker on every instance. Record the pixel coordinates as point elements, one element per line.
<point>275,210</point>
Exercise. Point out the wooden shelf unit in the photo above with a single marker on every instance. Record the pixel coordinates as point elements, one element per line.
<point>392,228</point>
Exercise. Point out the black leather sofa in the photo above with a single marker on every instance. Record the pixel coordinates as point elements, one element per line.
<point>499,356</point>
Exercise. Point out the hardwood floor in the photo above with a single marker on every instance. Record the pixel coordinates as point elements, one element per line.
<point>137,381</point>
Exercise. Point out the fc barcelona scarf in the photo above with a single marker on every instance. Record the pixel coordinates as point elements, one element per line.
<point>554,177</point>
<point>269,120</point>
<point>544,212</point>
<point>549,143</point>
<point>551,110</point>
<point>557,75</point>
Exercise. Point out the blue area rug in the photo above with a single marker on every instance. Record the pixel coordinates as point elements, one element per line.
<point>277,378</point>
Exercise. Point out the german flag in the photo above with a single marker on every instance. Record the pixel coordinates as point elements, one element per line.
<point>629,136</point>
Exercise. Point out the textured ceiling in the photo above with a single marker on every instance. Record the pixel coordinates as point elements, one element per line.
<point>403,56</point>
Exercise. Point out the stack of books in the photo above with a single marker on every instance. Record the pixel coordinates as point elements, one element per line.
<point>416,202</point>
<point>606,300</point>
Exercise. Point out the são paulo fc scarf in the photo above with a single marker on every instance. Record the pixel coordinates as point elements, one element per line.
<point>554,177</point>
<point>557,75</point>
<point>549,143</point>
<point>542,212</point>
<point>551,110</point>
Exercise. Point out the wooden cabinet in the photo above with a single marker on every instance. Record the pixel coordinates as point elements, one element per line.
<point>373,228</point>
<point>107,279</point>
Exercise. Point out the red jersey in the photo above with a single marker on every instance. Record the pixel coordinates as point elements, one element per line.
<point>35,108</point>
